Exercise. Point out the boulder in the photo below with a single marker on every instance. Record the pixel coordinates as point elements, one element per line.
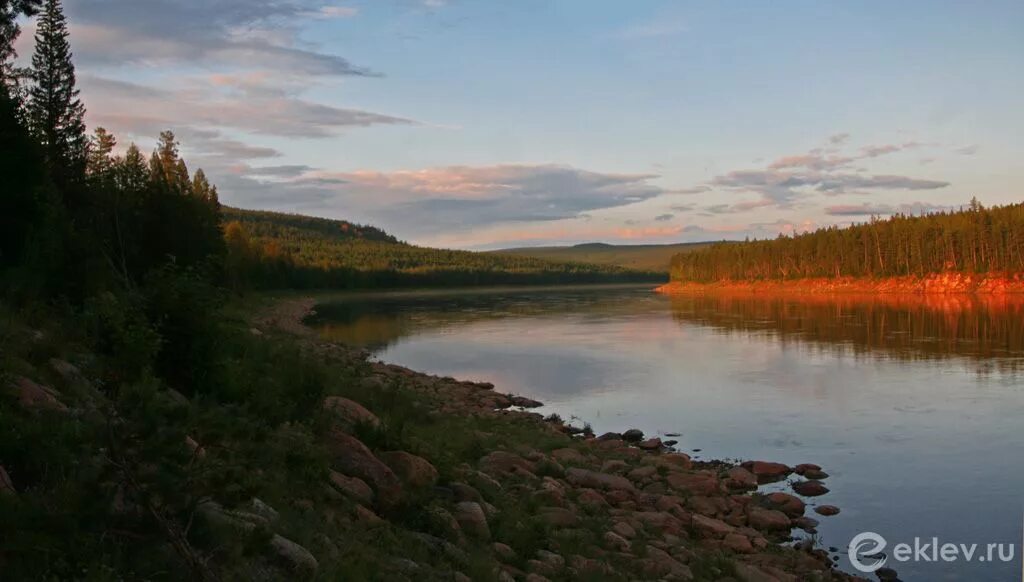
<point>464,492</point>
<point>297,556</point>
<point>790,505</point>
<point>738,543</point>
<point>711,527</point>
<point>694,483</point>
<point>525,402</point>
<point>352,487</point>
<point>810,488</point>
<point>472,520</point>
<point>767,519</point>
<point>614,541</point>
<point>505,463</point>
<point>32,395</point>
<point>624,529</point>
<point>633,435</point>
<point>767,472</point>
<point>590,498</point>
<point>353,458</point>
<point>595,480</point>
<point>650,444</point>
<point>350,413</point>
<point>740,478</point>
<point>567,455</point>
<point>504,552</point>
<point>414,472</point>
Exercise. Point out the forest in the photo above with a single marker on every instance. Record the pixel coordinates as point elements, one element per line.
<point>271,250</point>
<point>974,239</point>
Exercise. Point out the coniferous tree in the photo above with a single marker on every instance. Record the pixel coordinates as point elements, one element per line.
<point>56,114</point>
<point>10,10</point>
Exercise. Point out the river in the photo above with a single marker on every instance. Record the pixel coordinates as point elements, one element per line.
<point>914,406</point>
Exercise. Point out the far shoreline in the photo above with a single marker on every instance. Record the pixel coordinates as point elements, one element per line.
<point>938,284</point>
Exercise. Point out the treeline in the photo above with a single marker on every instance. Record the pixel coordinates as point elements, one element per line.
<point>972,240</point>
<point>270,250</point>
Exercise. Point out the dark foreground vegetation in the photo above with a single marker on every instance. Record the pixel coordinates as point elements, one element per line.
<point>974,240</point>
<point>152,430</point>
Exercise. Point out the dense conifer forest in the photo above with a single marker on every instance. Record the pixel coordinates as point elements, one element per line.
<point>972,240</point>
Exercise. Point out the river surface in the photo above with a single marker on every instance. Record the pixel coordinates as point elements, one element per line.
<point>914,406</point>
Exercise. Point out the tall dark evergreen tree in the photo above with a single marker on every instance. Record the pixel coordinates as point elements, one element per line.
<point>56,114</point>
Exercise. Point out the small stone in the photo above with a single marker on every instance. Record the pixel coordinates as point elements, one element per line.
<point>810,488</point>
<point>615,541</point>
<point>808,524</point>
<point>738,543</point>
<point>624,529</point>
<point>350,413</point>
<point>352,487</point>
<point>367,516</point>
<point>826,510</point>
<point>471,518</point>
<point>595,480</point>
<point>504,552</point>
<point>299,557</point>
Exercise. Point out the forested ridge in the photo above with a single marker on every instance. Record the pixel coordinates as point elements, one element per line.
<point>276,250</point>
<point>975,240</point>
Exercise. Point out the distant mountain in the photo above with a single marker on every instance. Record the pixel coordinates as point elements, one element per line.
<point>636,257</point>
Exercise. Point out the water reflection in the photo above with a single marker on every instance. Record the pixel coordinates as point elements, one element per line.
<point>986,330</point>
<point>913,404</point>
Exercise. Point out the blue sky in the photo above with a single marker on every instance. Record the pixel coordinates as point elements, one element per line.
<point>483,124</point>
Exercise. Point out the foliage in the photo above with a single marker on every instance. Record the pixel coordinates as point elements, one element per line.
<point>274,250</point>
<point>972,240</point>
<point>654,258</point>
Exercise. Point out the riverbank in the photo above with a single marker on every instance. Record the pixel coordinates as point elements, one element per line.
<point>536,499</point>
<point>948,283</point>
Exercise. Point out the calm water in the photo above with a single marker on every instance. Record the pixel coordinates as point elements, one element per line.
<point>915,407</point>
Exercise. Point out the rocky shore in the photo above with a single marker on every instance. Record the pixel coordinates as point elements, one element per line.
<point>399,475</point>
<point>542,500</point>
<point>946,283</point>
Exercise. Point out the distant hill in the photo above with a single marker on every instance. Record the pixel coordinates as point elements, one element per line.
<point>291,250</point>
<point>636,257</point>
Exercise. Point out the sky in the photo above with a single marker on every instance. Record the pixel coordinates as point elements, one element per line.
<point>486,124</point>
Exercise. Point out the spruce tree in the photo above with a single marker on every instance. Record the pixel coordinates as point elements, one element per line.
<point>56,114</point>
<point>10,10</point>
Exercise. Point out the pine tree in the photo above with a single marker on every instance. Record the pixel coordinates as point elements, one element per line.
<point>56,114</point>
<point>101,146</point>
<point>10,10</point>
